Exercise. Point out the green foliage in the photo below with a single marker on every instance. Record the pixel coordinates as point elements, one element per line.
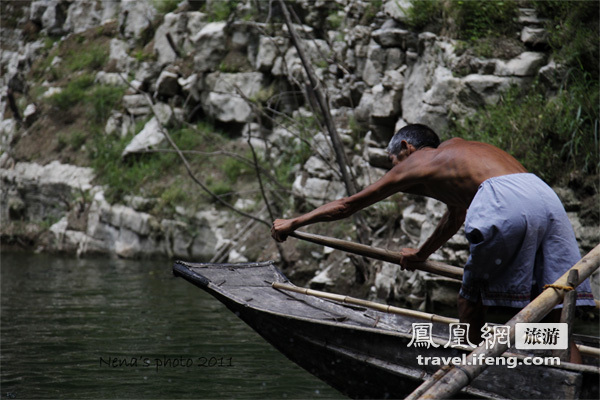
<point>481,19</point>
<point>73,93</point>
<point>357,131</point>
<point>221,189</point>
<point>424,13</point>
<point>48,221</point>
<point>92,57</point>
<point>165,6</point>
<point>228,68</point>
<point>467,20</point>
<point>141,55</point>
<point>573,31</point>
<point>220,10</point>
<point>550,136</point>
<point>171,196</point>
<point>335,20</point>
<point>234,169</point>
<point>138,174</point>
<point>49,42</point>
<point>74,140</point>
<point>103,99</point>
<point>105,154</point>
<point>372,8</point>
<point>77,140</point>
<point>264,94</point>
<point>296,149</point>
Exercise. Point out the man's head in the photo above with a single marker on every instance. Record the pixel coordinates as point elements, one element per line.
<point>417,135</point>
<point>410,139</point>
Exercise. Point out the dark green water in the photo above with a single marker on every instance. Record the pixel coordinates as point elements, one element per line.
<point>107,328</point>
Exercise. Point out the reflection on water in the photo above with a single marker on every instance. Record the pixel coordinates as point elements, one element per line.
<point>107,328</point>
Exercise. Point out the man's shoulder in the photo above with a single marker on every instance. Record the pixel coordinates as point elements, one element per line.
<point>456,142</point>
<point>468,146</point>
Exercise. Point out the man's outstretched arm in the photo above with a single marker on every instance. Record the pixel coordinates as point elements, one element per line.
<point>339,209</point>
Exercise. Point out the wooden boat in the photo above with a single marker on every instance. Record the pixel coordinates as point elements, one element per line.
<point>365,353</point>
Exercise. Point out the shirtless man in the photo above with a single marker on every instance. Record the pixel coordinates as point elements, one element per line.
<point>520,236</point>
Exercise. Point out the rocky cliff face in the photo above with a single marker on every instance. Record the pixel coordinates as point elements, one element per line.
<point>379,76</point>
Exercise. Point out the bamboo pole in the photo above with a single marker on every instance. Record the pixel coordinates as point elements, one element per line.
<point>568,314</point>
<point>365,303</point>
<point>591,351</point>
<point>395,257</point>
<point>446,385</point>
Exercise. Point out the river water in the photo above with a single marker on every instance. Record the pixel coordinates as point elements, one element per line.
<point>110,328</point>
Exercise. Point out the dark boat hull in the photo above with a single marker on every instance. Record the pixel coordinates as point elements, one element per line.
<point>362,353</point>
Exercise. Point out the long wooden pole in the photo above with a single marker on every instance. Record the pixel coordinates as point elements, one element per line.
<point>395,257</point>
<point>444,386</point>
<point>365,303</point>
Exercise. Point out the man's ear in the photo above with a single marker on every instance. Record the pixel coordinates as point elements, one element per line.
<point>404,145</point>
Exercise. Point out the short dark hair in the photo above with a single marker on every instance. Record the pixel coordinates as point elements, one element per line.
<point>416,134</point>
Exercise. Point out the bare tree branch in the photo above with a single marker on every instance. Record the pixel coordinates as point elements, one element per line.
<point>363,272</point>
<point>187,164</point>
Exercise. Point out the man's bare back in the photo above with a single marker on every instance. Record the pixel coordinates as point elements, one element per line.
<point>452,172</point>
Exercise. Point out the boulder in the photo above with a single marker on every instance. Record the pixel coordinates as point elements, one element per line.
<point>478,90</point>
<point>180,27</point>
<point>70,241</point>
<point>51,92</point>
<point>127,244</point>
<point>224,102</point>
<point>111,78</point>
<point>30,114</point>
<point>37,10</point>
<point>119,124</point>
<point>147,139</point>
<point>322,279</point>
<point>249,83</point>
<point>393,37</point>
<point>226,108</point>
<point>374,65</point>
<point>317,52</point>
<point>529,16</point>
<point>171,26</point>
<point>120,57</point>
<point>136,104</point>
<point>386,105</point>
<point>534,37</point>
<point>135,18</point>
<point>525,64</point>
<point>315,166</point>
<point>8,129</point>
<point>317,191</point>
<point>191,86</point>
<point>269,48</point>
<point>397,9</point>
<point>412,222</point>
<point>167,84</point>
<point>83,15</point>
<point>146,74</point>
<point>378,158</point>
<point>444,87</point>
<point>210,46</point>
<point>49,14</point>
<point>42,188</point>
<point>552,74</point>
